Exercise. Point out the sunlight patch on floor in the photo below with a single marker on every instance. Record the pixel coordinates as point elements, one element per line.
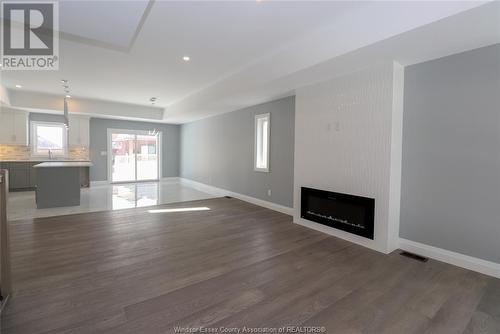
<point>201,208</point>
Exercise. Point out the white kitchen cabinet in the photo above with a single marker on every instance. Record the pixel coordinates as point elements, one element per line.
<point>78,130</point>
<point>14,127</point>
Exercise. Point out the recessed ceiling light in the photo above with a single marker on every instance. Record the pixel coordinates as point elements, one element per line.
<point>68,96</point>
<point>64,81</point>
<point>19,86</point>
<point>186,58</point>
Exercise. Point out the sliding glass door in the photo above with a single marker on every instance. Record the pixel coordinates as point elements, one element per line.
<point>147,157</point>
<point>133,155</point>
<point>123,157</point>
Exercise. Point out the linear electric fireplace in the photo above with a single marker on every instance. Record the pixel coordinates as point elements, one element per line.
<point>345,212</point>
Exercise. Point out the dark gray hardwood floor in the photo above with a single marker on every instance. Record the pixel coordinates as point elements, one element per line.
<point>235,265</point>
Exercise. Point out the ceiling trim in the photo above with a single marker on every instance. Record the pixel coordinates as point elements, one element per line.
<point>110,46</point>
<point>44,102</point>
<point>141,24</point>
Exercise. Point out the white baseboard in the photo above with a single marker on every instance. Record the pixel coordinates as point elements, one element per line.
<point>170,178</point>
<point>223,192</point>
<point>457,259</point>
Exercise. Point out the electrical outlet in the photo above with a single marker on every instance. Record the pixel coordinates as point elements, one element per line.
<point>269,192</point>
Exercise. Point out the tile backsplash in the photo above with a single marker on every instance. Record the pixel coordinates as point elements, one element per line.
<point>20,152</point>
<point>79,153</point>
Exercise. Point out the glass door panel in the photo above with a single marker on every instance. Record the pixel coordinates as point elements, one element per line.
<point>134,156</point>
<point>147,157</point>
<point>123,159</point>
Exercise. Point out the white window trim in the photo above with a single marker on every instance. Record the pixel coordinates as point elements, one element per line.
<point>257,118</point>
<point>33,139</point>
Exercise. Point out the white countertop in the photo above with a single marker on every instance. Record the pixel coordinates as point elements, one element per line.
<point>64,164</point>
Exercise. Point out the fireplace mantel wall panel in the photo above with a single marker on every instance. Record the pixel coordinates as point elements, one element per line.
<point>347,131</point>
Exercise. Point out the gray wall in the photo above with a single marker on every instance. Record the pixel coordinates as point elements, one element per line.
<point>451,153</point>
<point>219,151</point>
<point>98,142</point>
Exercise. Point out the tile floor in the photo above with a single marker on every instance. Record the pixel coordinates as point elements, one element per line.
<point>21,205</point>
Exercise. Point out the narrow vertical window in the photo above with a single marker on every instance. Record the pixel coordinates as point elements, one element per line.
<point>262,131</point>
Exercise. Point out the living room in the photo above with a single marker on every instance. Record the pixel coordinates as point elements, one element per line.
<point>259,166</point>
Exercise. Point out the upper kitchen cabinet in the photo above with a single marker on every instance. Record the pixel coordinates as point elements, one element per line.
<point>78,130</point>
<point>14,127</point>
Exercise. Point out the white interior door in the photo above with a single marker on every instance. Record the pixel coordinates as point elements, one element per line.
<point>133,156</point>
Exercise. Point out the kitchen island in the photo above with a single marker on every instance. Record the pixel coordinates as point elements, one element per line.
<point>58,183</point>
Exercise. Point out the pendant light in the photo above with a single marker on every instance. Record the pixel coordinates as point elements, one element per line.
<point>65,84</point>
<point>154,132</point>
<point>66,116</point>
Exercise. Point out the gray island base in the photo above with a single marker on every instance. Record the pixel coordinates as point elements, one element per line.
<point>58,184</point>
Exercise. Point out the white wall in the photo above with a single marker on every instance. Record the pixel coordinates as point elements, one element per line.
<point>348,139</point>
<point>4,96</point>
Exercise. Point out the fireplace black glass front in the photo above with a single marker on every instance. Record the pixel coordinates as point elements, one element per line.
<point>354,214</point>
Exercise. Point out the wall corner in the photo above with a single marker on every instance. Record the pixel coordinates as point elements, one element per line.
<point>396,157</point>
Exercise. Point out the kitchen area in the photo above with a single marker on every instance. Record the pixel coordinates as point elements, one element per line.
<point>31,143</point>
<point>54,170</point>
<point>23,176</point>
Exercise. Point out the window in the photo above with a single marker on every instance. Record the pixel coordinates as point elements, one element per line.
<point>48,136</point>
<point>262,131</point>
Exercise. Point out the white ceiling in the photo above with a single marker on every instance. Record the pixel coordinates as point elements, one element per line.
<point>109,22</point>
<point>242,53</point>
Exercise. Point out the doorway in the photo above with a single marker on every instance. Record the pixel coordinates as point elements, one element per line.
<point>133,155</point>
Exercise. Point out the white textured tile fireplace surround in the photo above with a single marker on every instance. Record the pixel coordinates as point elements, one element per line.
<point>348,139</point>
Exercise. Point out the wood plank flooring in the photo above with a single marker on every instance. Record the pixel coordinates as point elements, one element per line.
<point>237,264</point>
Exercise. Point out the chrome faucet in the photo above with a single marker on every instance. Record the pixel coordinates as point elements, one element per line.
<point>50,155</point>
